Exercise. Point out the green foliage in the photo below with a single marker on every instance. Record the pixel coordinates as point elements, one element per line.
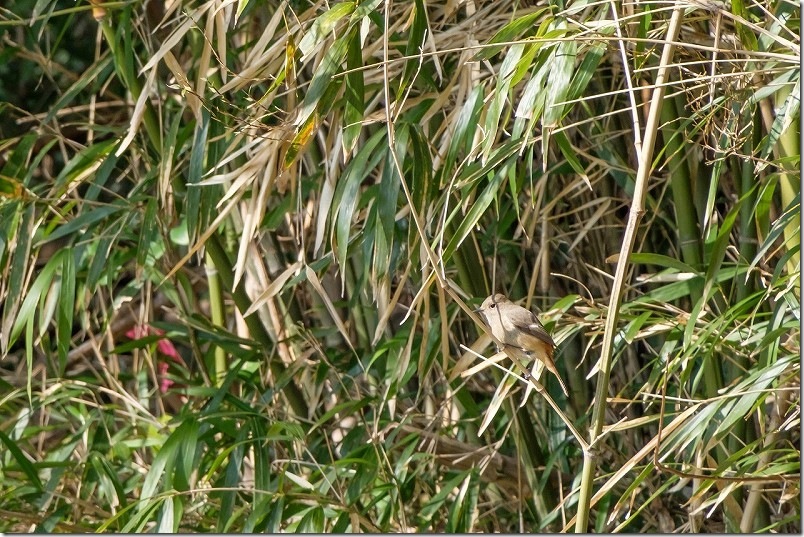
<point>240,245</point>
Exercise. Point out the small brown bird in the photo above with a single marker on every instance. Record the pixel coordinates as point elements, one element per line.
<point>520,331</point>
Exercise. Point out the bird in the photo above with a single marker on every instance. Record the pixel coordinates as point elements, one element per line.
<point>520,332</point>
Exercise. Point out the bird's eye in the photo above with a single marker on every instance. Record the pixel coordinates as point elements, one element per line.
<point>493,306</point>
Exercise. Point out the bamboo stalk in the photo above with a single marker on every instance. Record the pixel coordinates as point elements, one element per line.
<point>634,216</point>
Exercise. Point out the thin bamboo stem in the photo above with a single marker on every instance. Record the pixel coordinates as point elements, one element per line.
<point>635,215</point>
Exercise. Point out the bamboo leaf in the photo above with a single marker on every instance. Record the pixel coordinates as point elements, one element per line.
<point>42,283</point>
<point>322,27</point>
<point>346,195</point>
<point>66,307</point>
<point>475,212</point>
<point>511,31</point>
<point>354,95</point>
<point>322,79</point>
<point>21,459</point>
<point>316,283</point>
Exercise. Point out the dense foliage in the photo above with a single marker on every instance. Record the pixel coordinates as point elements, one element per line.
<point>241,242</point>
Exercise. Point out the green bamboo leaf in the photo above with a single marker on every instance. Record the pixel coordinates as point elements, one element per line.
<point>378,242</point>
<point>636,484</point>
<point>195,172</point>
<point>694,430</point>
<point>366,461</point>
<point>784,15</point>
<point>84,220</point>
<point>346,194</point>
<point>35,293</point>
<point>322,27</point>
<point>22,460</point>
<point>633,327</point>
<point>50,523</point>
<point>231,477</point>
<point>366,8</point>
<point>714,180</point>
<point>263,461</point>
<point>464,508</point>
<point>460,144</point>
<point>342,524</point>
<point>588,67</point>
<point>674,291</point>
<point>188,436</point>
<point>423,182</point>
<point>386,206</point>
<point>570,153</point>
<point>661,261</point>
<point>149,234</point>
<point>476,211</point>
<point>107,473</point>
<point>561,64</point>
<point>66,307</point>
<point>784,320</point>
<point>716,249</point>
<point>784,116</point>
<point>748,394</point>
<point>276,515</point>
<point>644,25</point>
<point>258,517</point>
<point>658,492</point>
<point>525,63</point>
<point>241,6</point>
<point>562,67</point>
<point>100,260</point>
<point>354,95</point>
<point>11,188</point>
<point>531,104</point>
<point>312,521</point>
<point>323,78</point>
<point>510,32</point>
<point>781,274</point>
<point>17,163</point>
<point>168,519</point>
<point>500,97</point>
<point>747,37</point>
<point>84,162</point>
<point>695,313</point>
<point>41,6</point>
<point>142,515</point>
<point>437,501</point>
<point>96,74</point>
<point>415,44</point>
<point>19,224</point>
<point>164,470</point>
<point>101,176</point>
<point>776,232</point>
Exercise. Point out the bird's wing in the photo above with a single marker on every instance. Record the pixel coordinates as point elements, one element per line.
<point>535,329</point>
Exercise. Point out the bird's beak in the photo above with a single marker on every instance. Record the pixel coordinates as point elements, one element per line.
<point>478,310</point>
